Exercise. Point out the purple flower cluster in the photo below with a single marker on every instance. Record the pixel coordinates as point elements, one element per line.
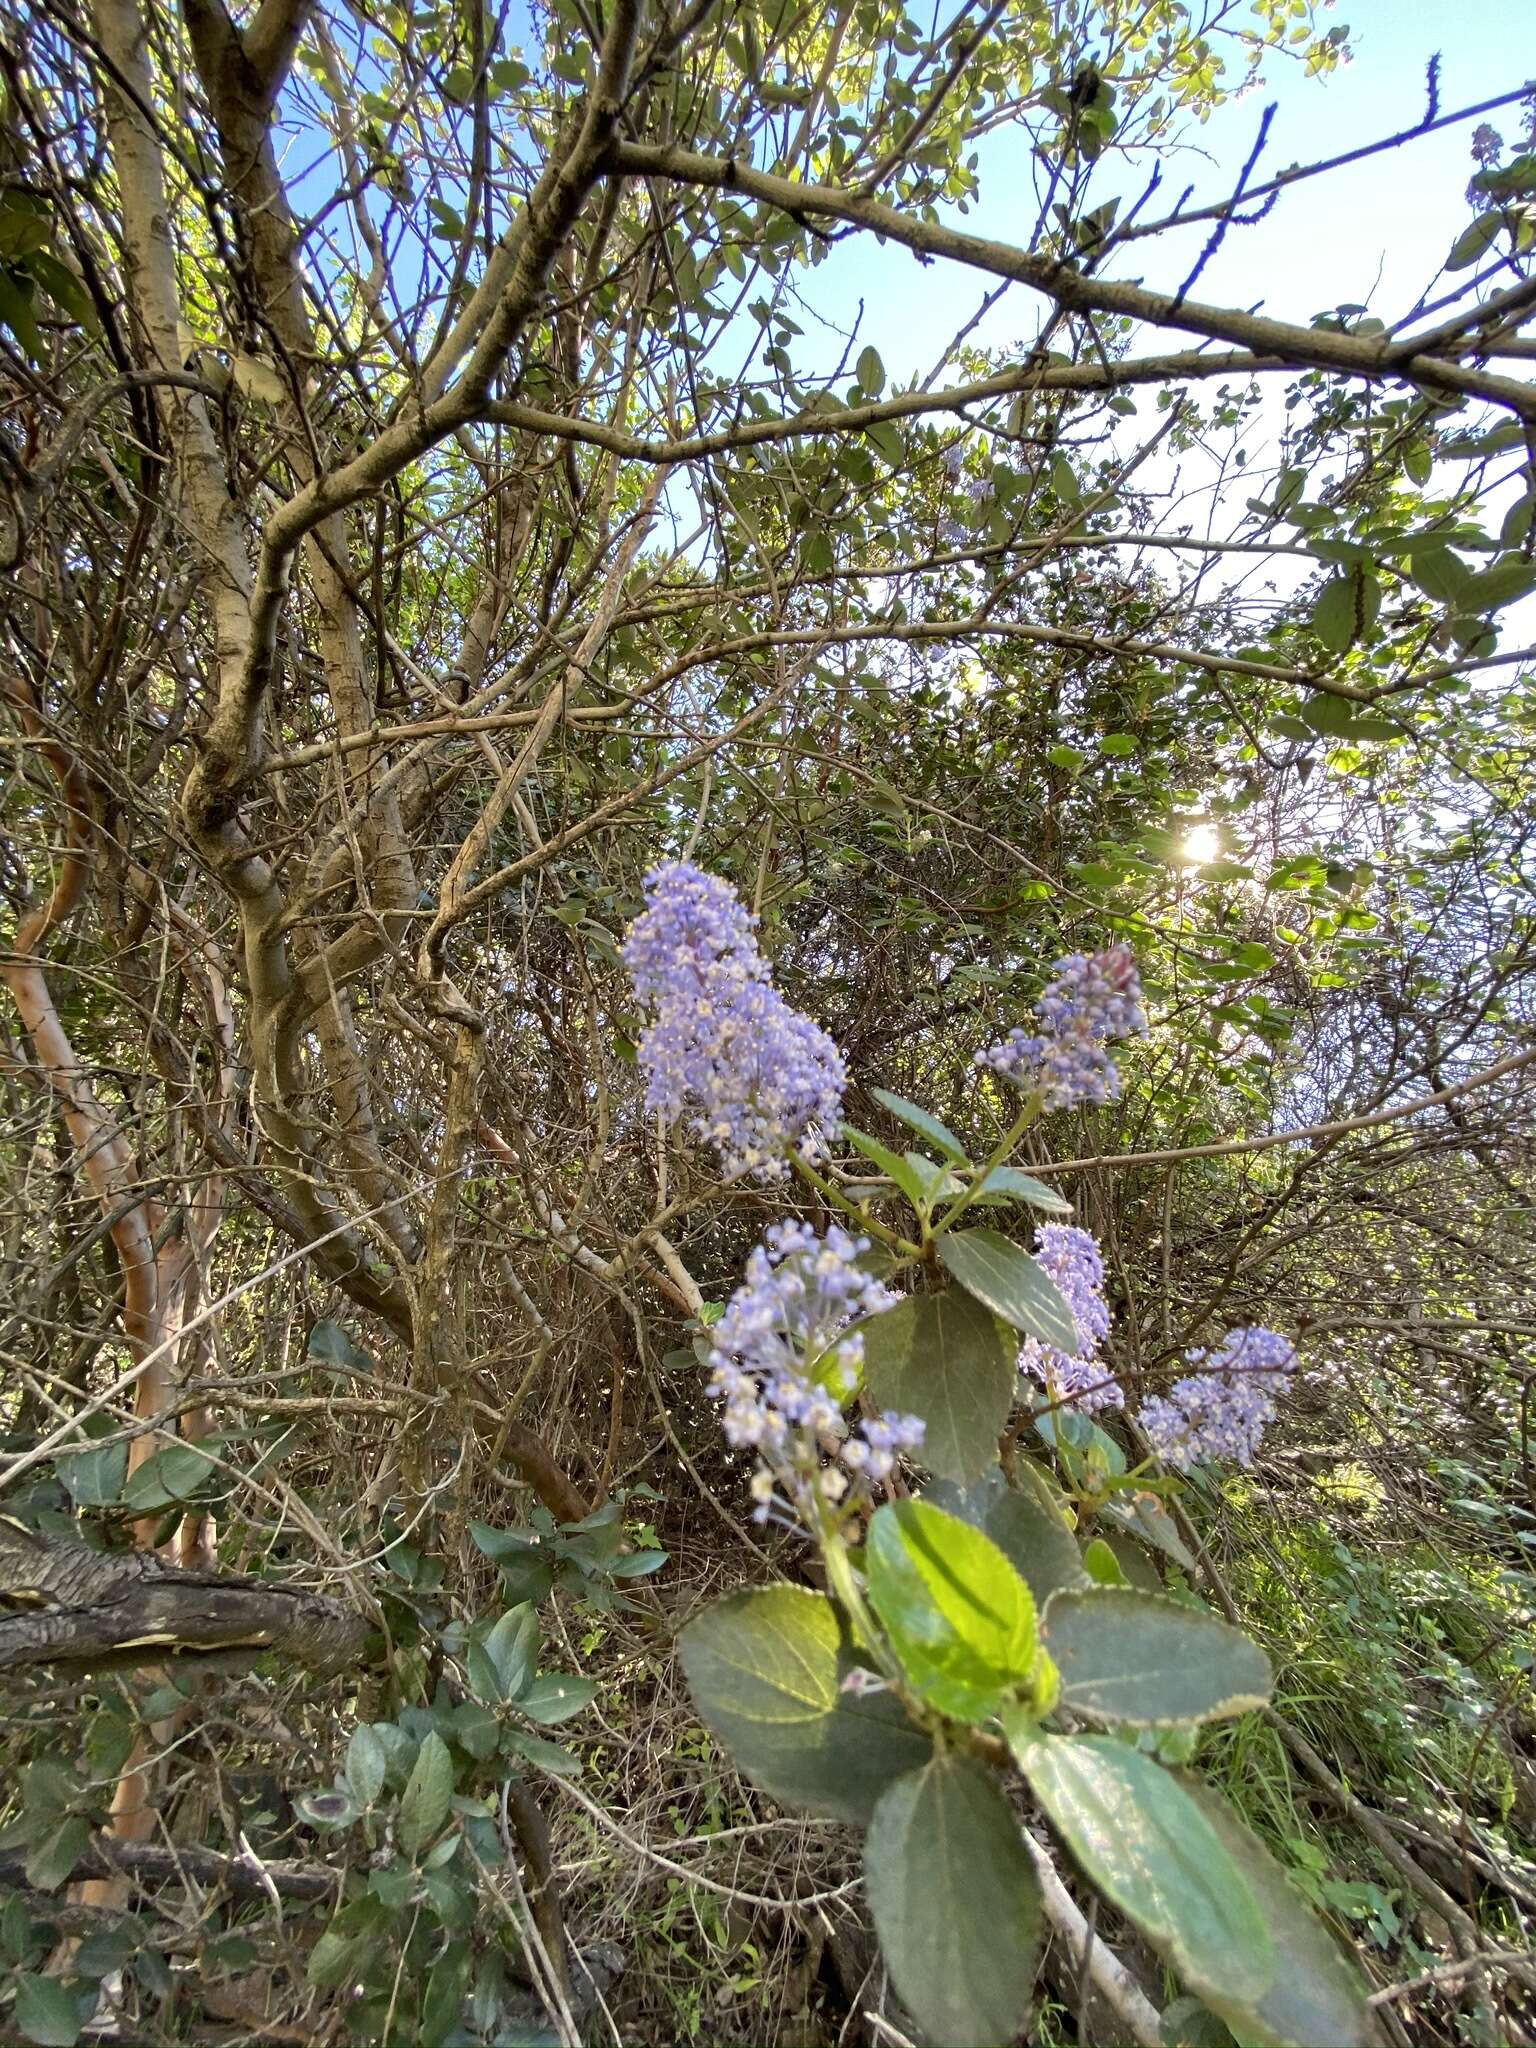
<point>1220,1411</point>
<point>785,1323</point>
<point>722,1043</point>
<point>1071,1257</point>
<point>1093,999</point>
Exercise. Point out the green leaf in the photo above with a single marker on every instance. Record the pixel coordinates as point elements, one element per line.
<point>1332,716</point>
<point>1438,573</point>
<point>870,372</point>
<point>1012,1284</point>
<point>51,1858</point>
<point>1129,1656</point>
<point>1474,240</point>
<point>511,1649</point>
<point>958,1616</point>
<point>476,1730</point>
<point>1085,1450</point>
<point>942,1357</point>
<point>366,1765</point>
<point>765,1669</point>
<point>1499,585</point>
<point>636,1564</point>
<point>330,1342</point>
<point>16,311</point>
<point>553,1697</point>
<point>886,436</point>
<point>178,1473</point>
<point>547,1756</point>
<point>956,1903</point>
<point>113,1948</point>
<point>45,2012</point>
<point>891,1164</point>
<point>502,1543</point>
<point>1026,1528</point>
<point>939,1183</point>
<point>1102,1565</point>
<point>95,1477</point>
<point>330,1960</point>
<point>1146,1845</point>
<point>1346,609</point>
<point>444,1996</point>
<point>925,1125</point>
<point>1145,1517</point>
<point>428,1794</point>
<point>1023,1187</point>
<point>1315,1998</point>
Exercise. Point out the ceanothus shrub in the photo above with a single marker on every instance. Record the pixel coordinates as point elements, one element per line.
<point>978,1638</point>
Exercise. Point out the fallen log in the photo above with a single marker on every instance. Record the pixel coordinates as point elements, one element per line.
<point>64,1604</point>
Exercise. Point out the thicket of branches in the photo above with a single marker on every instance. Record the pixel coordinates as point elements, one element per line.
<point>441,475</point>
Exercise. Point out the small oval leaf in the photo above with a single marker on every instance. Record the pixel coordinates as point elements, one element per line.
<point>958,1615</point>
<point>1012,1284</point>
<point>766,1671</point>
<point>1150,1850</point>
<point>1134,1657</point>
<point>956,1903</point>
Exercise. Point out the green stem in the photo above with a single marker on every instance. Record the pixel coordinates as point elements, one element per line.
<point>834,1194</point>
<point>1021,1124</point>
<point>849,1595</point>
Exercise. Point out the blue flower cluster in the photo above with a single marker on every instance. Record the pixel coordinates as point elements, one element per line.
<point>786,1323</point>
<point>1093,999</point>
<point>754,1075</point>
<point>1071,1257</point>
<point>1220,1411</point>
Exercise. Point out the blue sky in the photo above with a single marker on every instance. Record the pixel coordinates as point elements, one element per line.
<point>1373,232</point>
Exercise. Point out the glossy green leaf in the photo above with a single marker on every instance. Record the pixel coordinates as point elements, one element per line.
<point>958,1616</point>
<point>1145,1844</point>
<point>1143,1516</point>
<point>942,1357</point>
<point>1025,1526</point>
<point>428,1794</point>
<point>1131,1656</point>
<point>1315,1998</point>
<point>1012,1284</point>
<point>766,1671</point>
<point>637,1564</point>
<point>920,1121</point>
<point>1502,584</point>
<point>870,372</point>
<point>1101,1564</point>
<point>16,310</point>
<point>956,1903</point>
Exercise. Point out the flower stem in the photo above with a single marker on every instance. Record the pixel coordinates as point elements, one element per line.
<point>1020,1125</point>
<point>890,1238</point>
